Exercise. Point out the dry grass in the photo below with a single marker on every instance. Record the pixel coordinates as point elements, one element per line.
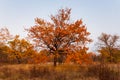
<point>61,72</point>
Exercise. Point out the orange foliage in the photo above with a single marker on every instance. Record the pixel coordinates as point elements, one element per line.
<point>59,34</point>
<point>20,49</point>
<point>79,56</point>
<point>41,57</point>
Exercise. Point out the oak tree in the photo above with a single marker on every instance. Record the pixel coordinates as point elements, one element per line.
<point>60,35</point>
<point>108,46</point>
<point>20,49</point>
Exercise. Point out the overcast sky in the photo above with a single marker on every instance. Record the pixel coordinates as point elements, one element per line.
<point>98,15</point>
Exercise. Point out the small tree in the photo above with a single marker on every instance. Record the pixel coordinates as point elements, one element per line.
<point>59,36</point>
<point>5,36</point>
<point>20,49</point>
<point>108,46</point>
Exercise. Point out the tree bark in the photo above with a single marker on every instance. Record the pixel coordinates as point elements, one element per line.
<point>55,60</point>
<point>18,60</point>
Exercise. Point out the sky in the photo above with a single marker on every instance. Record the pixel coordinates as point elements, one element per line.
<point>98,15</point>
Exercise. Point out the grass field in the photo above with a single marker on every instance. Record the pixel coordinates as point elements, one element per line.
<point>61,72</point>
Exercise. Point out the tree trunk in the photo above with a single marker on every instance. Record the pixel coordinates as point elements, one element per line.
<point>55,60</point>
<point>18,60</point>
<point>111,60</point>
<point>111,57</point>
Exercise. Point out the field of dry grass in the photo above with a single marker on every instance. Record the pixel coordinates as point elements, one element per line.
<point>61,72</point>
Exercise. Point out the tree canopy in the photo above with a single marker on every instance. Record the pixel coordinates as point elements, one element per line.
<point>60,35</point>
